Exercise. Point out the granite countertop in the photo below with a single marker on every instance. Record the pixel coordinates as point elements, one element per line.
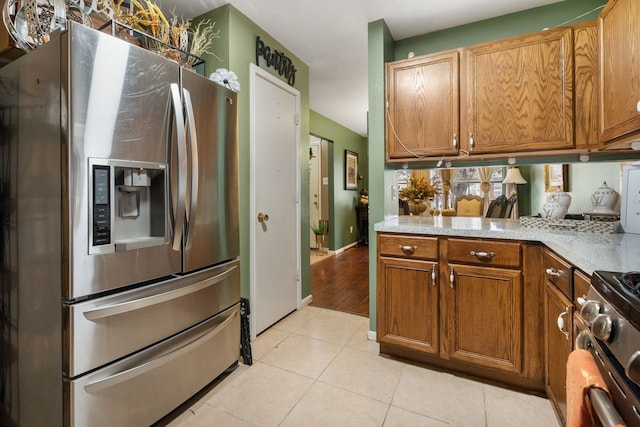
<point>618,252</point>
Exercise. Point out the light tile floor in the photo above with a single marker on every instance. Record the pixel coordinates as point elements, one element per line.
<point>316,367</point>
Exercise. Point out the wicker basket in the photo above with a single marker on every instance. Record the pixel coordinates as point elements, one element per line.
<point>608,227</point>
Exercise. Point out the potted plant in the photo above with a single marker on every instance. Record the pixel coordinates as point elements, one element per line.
<point>320,230</point>
<point>416,194</point>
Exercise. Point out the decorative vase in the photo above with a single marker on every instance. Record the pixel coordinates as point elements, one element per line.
<point>417,206</point>
<point>561,197</point>
<point>320,243</point>
<point>604,199</point>
<point>553,210</point>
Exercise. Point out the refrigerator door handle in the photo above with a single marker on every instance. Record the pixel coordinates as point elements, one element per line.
<point>137,304</point>
<point>120,377</point>
<point>179,207</point>
<point>193,163</point>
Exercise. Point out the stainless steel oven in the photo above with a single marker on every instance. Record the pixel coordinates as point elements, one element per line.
<point>609,327</point>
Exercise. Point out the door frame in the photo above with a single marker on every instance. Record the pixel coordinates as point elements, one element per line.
<point>256,73</point>
<point>313,143</point>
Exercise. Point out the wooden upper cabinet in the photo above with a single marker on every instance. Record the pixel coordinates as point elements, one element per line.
<point>519,94</point>
<point>423,106</point>
<point>619,29</point>
<point>586,93</point>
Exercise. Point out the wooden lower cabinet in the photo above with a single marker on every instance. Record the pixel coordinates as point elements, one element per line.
<point>484,317</point>
<point>408,304</point>
<point>558,343</point>
<point>458,304</point>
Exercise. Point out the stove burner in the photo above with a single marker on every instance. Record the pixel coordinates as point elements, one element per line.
<point>631,280</point>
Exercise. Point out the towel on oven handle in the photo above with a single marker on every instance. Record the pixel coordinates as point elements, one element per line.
<point>582,376</point>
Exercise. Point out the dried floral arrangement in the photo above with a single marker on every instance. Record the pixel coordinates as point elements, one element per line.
<point>418,189</point>
<point>173,33</point>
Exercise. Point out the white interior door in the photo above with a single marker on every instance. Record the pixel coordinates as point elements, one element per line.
<point>275,189</point>
<point>315,195</point>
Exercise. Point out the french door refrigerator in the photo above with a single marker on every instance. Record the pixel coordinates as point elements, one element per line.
<point>120,283</point>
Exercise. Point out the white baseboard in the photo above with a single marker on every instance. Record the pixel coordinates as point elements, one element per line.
<point>305,301</point>
<point>344,248</point>
<point>371,335</point>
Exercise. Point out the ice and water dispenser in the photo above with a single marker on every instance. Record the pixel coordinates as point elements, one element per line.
<point>128,205</point>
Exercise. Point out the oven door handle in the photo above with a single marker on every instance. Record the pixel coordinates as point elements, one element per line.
<point>604,409</point>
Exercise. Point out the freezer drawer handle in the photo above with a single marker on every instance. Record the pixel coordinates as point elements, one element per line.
<point>97,386</point>
<point>125,307</point>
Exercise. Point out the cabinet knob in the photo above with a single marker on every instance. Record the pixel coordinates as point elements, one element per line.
<point>407,249</point>
<point>455,141</point>
<point>553,272</point>
<point>483,256</point>
<point>434,275</point>
<point>452,277</point>
<point>472,143</point>
<point>561,322</point>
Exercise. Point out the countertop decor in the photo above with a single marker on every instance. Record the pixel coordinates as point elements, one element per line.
<point>588,251</point>
<point>569,224</point>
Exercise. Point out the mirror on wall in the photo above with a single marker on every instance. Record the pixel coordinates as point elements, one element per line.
<point>579,180</point>
<point>482,184</point>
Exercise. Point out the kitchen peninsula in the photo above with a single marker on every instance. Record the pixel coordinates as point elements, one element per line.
<point>490,298</point>
<point>586,251</point>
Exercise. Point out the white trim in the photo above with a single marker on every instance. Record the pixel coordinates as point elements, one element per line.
<point>254,73</point>
<point>344,248</point>
<point>306,301</point>
<point>372,335</point>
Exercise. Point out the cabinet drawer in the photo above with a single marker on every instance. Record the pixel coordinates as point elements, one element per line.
<point>484,252</point>
<point>581,284</point>
<point>558,272</point>
<point>407,246</point>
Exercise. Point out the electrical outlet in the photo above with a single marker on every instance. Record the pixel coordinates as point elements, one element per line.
<point>351,229</point>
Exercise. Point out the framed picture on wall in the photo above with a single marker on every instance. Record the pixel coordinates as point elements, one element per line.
<point>350,170</point>
<point>556,178</point>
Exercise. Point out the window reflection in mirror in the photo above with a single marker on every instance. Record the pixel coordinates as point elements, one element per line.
<point>584,179</point>
<point>485,182</point>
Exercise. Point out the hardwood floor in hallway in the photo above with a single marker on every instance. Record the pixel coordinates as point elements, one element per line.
<point>341,282</point>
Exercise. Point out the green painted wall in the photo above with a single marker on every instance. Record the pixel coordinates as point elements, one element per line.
<point>342,210</point>
<point>382,48</point>
<point>503,26</point>
<point>236,48</point>
<point>380,52</point>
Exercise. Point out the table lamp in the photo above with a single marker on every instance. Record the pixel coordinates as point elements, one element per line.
<point>513,178</point>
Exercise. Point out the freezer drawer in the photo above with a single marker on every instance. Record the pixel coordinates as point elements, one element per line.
<point>144,387</point>
<point>112,327</point>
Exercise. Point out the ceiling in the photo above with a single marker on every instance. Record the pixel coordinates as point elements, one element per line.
<point>330,36</point>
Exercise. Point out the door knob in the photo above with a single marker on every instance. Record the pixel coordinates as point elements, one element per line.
<point>262,217</point>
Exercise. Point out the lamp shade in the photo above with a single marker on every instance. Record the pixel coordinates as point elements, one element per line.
<point>514,177</point>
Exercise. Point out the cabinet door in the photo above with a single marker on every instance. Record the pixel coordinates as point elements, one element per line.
<point>619,27</point>
<point>484,316</point>
<point>519,94</point>
<point>408,304</point>
<point>423,106</point>
<point>558,312</point>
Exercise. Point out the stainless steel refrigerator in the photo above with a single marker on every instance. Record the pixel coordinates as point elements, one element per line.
<point>120,283</point>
